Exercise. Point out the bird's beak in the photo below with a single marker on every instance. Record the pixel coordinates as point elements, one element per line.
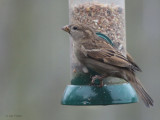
<point>66,28</point>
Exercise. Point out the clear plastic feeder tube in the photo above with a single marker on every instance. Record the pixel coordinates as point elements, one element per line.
<point>107,19</point>
<point>103,16</point>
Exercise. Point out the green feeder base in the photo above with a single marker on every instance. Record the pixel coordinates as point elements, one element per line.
<point>92,95</point>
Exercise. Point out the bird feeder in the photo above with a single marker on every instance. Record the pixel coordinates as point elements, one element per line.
<point>107,18</point>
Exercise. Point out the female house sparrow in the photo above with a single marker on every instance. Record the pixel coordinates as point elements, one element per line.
<point>96,54</point>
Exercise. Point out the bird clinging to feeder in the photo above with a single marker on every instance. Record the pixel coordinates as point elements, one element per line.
<point>95,53</point>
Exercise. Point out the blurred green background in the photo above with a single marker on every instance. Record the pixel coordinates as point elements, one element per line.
<point>34,61</point>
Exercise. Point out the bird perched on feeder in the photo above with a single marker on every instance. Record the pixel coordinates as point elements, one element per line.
<point>95,53</point>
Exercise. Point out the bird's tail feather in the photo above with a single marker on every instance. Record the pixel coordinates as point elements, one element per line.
<point>141,92</point>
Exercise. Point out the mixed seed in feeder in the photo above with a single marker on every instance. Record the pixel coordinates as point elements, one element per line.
<point>104,18</point>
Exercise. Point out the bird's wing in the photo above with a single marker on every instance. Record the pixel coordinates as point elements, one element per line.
<point>104,52</point>
<point>130,59</point>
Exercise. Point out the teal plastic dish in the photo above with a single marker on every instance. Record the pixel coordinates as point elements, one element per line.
<point>92,95</point>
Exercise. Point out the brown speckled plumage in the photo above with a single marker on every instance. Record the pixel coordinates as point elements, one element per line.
<point>96,54</point>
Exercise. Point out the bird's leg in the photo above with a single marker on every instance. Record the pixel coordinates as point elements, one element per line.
<point>100,78</point>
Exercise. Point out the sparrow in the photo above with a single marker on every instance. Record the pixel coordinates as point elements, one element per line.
<point>96,54</point>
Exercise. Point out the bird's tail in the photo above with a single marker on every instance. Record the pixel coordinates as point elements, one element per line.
<point>141,91</point>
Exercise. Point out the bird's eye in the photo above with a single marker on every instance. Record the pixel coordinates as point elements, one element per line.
<point>75,28</point>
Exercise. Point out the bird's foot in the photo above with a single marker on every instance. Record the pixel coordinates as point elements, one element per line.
<point>95,78</point>
<point>74,71</point>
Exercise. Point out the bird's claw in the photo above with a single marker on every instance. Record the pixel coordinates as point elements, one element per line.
<point>94,78</point>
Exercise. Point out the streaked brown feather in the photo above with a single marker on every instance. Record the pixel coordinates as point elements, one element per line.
<point>106,53</point>
<point>130,59</point>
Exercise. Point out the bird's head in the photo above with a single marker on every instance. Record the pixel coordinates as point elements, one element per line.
<point>79,31</point>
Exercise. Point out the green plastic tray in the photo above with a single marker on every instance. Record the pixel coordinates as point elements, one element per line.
<point>92,95</point>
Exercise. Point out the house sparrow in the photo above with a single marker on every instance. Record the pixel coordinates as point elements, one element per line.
<point>95,53</point>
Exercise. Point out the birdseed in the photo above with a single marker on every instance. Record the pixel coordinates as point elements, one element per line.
<point>104,18</point>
